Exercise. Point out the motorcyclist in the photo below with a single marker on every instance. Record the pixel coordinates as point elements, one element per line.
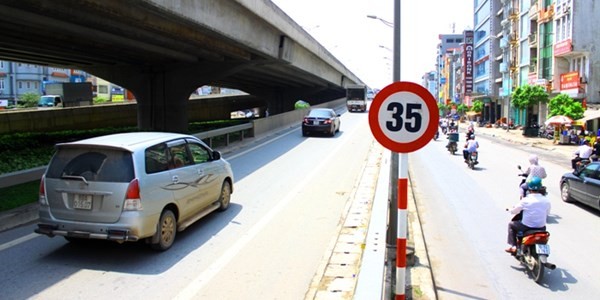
<point>583,152</point>
<point>534,170</point>
<point>535,208</point>
<point>470,146</point>
<point>470,132</point>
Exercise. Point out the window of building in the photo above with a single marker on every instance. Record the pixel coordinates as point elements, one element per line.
<point>20,85</point>
<point>103,89</point>
<point>1,84</point>
<point>450,41</point>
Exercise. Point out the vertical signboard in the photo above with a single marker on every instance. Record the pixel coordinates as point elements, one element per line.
<point>468,62</point>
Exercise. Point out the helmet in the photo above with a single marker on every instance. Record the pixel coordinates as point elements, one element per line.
<point>534,184</point>
<point>533,159</point>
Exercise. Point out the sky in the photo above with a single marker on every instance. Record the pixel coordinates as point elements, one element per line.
<point>364,45</point>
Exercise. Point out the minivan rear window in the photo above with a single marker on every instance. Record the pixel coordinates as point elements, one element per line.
<point>106,165</point>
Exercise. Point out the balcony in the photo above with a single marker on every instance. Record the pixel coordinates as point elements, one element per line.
<point>533,39</point>
<point>533,11</point>
<point>513,13</point>
<point>513,38</point>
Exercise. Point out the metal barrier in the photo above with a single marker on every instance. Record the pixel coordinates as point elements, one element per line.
<point>372,277</point>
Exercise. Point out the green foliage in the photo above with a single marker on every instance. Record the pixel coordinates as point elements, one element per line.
<point>19,195</point>
<point>477,106</point>
<point>528,95</point>
<point>563,105</point>
<point>462,108</point>
<point>29,100</point>
<point>100,100</point>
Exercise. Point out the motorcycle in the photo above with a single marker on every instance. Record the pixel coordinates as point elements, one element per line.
<point>533,250</point>
<point>472,160</point>
<point>542,190</point>
<point>452,142</point>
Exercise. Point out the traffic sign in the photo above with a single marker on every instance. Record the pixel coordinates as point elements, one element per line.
<point>403,117</point>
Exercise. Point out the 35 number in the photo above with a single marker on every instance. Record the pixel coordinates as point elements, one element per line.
<point>411,119</point>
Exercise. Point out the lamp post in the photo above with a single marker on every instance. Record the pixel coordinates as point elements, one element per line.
<point>392,234</point>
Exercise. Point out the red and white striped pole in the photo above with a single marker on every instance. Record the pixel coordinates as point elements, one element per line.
<point>402,227</point>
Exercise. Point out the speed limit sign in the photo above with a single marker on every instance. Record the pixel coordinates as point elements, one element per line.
<point>403,117</point>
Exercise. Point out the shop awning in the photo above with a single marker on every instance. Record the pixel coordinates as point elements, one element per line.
<point>590,114</point>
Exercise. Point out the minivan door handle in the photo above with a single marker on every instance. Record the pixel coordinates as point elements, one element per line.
<point>175,179</point>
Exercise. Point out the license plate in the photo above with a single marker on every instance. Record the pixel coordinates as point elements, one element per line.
<point>542,249</point>
<point>82,202</point>
<point>316,122</point>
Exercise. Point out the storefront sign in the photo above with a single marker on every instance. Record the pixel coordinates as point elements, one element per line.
<point>569,81</point>
<point>563,47</point>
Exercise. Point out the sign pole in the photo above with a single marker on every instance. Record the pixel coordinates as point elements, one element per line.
<point>400,190</point>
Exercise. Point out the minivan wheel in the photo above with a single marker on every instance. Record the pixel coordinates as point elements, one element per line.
<point>225,197</point>
<point>166,231</point>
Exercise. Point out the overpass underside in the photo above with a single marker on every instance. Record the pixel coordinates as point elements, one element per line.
<point>163,50</point>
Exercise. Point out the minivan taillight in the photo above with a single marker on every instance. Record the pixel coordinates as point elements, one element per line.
<point>132,197</point>
<point>42,195</point>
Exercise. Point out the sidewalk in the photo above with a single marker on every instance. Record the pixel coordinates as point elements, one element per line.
<point>516,136</point>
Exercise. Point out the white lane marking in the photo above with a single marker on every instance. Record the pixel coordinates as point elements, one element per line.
<point>198,283</point>
<point>260,145</point>
<point>20,240</point>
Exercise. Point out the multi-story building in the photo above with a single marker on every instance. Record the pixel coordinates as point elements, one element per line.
<point>576,50</point>
<point>551,43</point>
<point>429,81</point>
<point>17,79</point>
<point>448,42</point>
<point>486,46</point>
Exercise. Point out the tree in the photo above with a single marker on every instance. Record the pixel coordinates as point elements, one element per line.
<point>565,106</point>
<point>462,108</point>
<point>528,95</point>
<point>443,108</point>
<point>477,106</point>
<point>29,100</point>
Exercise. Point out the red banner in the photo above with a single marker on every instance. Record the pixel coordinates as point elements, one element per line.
<point>569,81</point>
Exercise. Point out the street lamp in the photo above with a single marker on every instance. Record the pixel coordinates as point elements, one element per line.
<point>386,48</point>
<point>387,23</point>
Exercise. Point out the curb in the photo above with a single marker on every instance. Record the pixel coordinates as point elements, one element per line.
<point>18,216</point>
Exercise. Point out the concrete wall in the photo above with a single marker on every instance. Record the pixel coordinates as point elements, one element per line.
<point>216,107</point>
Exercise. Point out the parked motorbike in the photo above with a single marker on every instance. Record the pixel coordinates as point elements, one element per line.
<point>542,190</point>
<point>533,251</point>
<point>436,135</point>
<point>472,159</point>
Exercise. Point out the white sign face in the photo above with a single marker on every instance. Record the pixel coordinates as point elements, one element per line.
<point>404,117</point>
<point>3,103</point>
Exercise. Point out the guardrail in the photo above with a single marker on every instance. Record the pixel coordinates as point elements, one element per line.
<point>254,128</point>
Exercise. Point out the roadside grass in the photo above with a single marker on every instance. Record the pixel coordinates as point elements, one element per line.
<point>19,195</point>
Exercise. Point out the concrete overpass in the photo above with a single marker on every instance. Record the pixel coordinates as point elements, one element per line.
<point>162,50</point>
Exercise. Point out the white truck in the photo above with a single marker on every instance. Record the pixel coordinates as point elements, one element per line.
<point>356,97</point>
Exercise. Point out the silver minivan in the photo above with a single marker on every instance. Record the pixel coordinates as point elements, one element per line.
<point>132,186</point>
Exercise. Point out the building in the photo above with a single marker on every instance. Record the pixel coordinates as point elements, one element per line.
<point>487,79</point>
<point>448,42</point>
<point>17,79</point>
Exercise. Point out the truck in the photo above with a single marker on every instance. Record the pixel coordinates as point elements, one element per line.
<point>67,94</point>
<point>356,97</point>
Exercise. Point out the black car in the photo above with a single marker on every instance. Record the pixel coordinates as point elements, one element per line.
<point>582,185</point>
<point>321,120</point>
